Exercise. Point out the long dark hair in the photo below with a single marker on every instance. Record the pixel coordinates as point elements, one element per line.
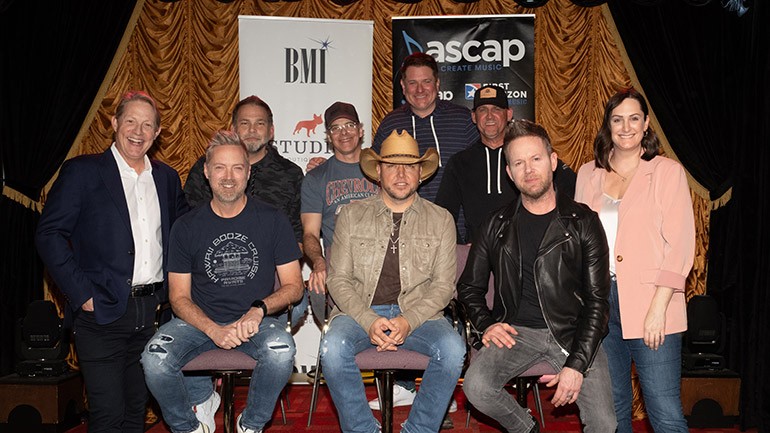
<point>603,141</point>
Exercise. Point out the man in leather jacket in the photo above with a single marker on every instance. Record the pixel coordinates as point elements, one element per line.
<point>550,259</point>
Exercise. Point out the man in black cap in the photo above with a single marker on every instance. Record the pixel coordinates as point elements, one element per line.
<point>475,178</point>
<point>329,187</point>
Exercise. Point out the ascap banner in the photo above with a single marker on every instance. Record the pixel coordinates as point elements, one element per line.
<point>300,66</point>
<point>472,51</point>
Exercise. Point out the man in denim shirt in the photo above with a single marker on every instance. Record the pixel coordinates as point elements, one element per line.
<point>391,273</point>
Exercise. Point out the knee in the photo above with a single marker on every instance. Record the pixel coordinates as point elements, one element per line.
<point>451,350</point>
<point>280,349</point>
<point>665,414</point>
<point>156,357</point>
<point>476,386</point>
<point>334,350</point>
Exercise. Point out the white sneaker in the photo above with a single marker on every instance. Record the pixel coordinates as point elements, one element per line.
<point>453,406</point>
<point>242,429</point>
<point>401,397</point>
<point>206,410</point>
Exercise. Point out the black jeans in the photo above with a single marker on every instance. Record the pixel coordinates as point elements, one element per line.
<point>109,361</point>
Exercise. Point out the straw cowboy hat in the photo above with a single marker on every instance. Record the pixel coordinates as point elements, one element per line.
<point>399,149</point>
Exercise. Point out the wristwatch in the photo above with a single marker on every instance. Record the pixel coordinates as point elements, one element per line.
<point>260,304</point>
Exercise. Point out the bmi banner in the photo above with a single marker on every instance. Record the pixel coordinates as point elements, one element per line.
<point>300,66</point>
<point>472,51</point>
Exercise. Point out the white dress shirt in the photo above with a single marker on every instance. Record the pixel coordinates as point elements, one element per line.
<point>144,213</point>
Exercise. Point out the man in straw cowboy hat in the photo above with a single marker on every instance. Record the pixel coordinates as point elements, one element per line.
<point>391,274</point>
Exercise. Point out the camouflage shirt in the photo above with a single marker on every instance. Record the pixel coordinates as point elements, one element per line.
<point>274,180</point>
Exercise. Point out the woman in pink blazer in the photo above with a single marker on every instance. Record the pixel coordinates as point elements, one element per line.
<point>645,207</point>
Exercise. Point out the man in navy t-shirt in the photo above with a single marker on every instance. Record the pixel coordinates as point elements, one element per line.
<point>223,260</point>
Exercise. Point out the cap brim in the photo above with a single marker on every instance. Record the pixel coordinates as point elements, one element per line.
<point>341,116</point>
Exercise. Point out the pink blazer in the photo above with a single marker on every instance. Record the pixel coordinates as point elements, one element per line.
<point>655,243</point>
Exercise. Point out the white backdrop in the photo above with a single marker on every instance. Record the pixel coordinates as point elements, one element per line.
<point>300,66</point>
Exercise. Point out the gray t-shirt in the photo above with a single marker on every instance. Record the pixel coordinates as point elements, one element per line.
<point>329,186</point>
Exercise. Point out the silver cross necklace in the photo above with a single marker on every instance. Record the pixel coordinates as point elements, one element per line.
<point>395,230</point>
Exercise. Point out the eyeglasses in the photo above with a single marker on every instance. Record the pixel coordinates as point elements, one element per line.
<point>336,129</point>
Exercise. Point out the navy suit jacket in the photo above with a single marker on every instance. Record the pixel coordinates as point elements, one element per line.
<point>84,235</point>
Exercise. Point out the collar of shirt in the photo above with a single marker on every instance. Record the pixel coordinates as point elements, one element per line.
<point>416,206</point>
<point>123,165</point>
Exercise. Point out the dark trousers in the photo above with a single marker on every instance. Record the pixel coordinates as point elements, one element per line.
<point>109,361</point>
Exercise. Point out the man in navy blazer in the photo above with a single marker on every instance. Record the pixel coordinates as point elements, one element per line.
<point>103,236</point>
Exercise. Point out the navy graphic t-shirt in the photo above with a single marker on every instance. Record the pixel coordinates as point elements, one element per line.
<point>232,260</point>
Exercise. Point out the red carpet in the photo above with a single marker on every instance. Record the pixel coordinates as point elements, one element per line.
<point>561,420</point>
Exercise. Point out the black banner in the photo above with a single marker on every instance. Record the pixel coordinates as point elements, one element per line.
<point>472,51</point>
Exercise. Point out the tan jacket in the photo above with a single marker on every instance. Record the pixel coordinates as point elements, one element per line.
<point>655,243</point>
<point>426,258</point>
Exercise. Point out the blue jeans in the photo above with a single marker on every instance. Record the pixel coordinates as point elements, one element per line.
<point>493,367</point>
<point>659,373</point>
<point>200,387</point>
<point>177,342</point>
<point>434,338</point>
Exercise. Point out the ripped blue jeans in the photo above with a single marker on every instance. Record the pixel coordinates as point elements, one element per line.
<point>177,342</point>
<point>434,338</point>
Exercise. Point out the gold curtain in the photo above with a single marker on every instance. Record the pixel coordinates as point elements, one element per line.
<point>185,54</point>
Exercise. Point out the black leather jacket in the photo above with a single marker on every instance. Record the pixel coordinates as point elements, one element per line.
<point>572,277</point>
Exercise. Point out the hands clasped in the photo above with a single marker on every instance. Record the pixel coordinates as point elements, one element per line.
<point>387,334</point>
<point>234,334</point>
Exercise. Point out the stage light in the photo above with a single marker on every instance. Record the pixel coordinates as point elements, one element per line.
<point>705,336</point>
<point>41,341</point>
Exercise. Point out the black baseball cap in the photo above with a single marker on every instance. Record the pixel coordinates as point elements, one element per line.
<point>490,94</point>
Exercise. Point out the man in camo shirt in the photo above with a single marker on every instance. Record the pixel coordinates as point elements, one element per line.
<point>274,179</point>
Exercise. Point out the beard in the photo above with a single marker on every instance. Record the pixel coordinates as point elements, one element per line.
<point>535,192</point>
<point>227,195</point>
<point>254,145</point>
<point>399,195</point>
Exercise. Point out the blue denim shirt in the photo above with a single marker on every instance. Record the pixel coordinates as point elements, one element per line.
<point>426,260</point>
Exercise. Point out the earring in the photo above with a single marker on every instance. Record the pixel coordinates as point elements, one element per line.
<point>645,132</point>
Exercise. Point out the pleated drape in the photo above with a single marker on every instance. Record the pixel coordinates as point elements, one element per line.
<point>185,54</point>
